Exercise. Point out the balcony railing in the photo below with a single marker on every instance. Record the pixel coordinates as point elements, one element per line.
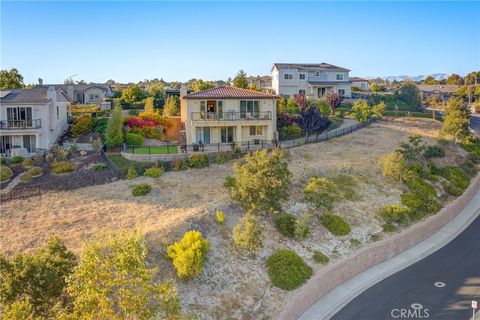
<point>20,124</point>
<point>231,116</point>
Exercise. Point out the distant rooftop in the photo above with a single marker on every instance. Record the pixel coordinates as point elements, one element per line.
<point>227,92</point>
<point>358,79</point>
<point>310,66</point>
<point>444,88</point>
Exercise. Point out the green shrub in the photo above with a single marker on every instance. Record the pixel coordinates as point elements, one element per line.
<point>82,125</point>
<point>101,126</point>
<point>287,270</point>
<point>419,205</point>
<point>5,173</point>
<point>2,160</point>
<point>59,153</point>
<point>17,159</point>
<point>335,224</point>
<point>285,224</point>
<point>132,173</point>
<point>320,257</point>
<point>154,172</point>
<point>25,177</point>
<point>458,180</point>
<point>141,189</point>
<point>179,164</point>
<point>99,166</point>
<point>262,181</point>
<point>394,166</point>
<point>35,171</point>
<point>388,227</point>
<point>301,226</point>
<point>248,233</point>
<point>320,191</point>
<point>27,163</point>
<point>292,131</point>
<point>434,152</point>
<point>133,139</point>
<point>198,161</point>
<point>189,254</point>
<point>62,167</point>
<point>220,216</point>
<point>229,182</point>
<point>394,213</point>
<point>222,157</point>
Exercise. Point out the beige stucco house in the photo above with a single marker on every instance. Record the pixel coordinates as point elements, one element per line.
<point>311,80</point>
<point>228,114</point>
<point>360,83</point>
<point>31,119</point>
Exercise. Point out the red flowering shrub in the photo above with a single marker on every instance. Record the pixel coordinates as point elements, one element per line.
<point>132,122</point>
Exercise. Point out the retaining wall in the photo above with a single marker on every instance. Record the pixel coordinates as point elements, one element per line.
<point>333,275</point>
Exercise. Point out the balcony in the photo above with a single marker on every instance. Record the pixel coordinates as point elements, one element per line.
<point>20,124</point>
<point>231,116</point>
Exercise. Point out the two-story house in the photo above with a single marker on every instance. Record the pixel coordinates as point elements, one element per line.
<point>31,119</point>
<point>228,114</point>
<point>262,82</point>
<point>360,83</point>
<point>311,80</point>
<point>93,93</point>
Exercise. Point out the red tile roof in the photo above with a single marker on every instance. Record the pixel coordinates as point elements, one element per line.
<point>227,92</point>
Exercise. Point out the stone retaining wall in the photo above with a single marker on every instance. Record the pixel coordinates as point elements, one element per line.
<point>333,275</point>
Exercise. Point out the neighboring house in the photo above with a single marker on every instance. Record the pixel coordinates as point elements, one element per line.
<point>264,82</point>
<point>443,90</point>
<point>312,80</point>
<point>228,114</point>
<point>92,93</point>
<point>359,83</point>
<point>31,119</point>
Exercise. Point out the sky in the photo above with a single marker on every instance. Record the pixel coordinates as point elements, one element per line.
<point>177,41</point>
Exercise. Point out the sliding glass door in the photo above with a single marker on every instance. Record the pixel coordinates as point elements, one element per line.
<point>249,109</point>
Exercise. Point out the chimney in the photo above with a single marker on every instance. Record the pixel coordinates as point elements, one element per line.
<point>40,81</point>
<point>52,93</point>
<point>183,90</point>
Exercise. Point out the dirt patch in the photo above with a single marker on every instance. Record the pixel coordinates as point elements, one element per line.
<point>233,285</point>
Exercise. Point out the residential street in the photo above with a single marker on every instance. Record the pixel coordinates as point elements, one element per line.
<point>444,283</point>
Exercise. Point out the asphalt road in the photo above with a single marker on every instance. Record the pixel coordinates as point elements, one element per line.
<point>441,286</point>
<point>475,123</point>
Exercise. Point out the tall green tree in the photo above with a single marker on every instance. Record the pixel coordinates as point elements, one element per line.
<point>171,107</point>
<point>114,131</point>
<point>430,80</point>
<point>456,119</point>
<point>133,94</point>
<point>113,281</point>
<point>157,91</point>
<point>454,79</point>
<point>240,80</point>
<point>200,85</point>
<point>11,79</point>
<point>409,93</point>
<point>262,182</point>
<point>36,281</point>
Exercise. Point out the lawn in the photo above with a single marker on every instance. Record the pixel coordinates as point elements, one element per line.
<point>153,150</point>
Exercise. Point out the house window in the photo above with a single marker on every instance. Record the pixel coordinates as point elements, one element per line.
<point>339,76</point>
<point>256,131</point>
<point>29,142</point>
<point>249,109</point>
<point>227,134</point>
<point>341,91</point>
<point>288,76</point>
<point>317,74</point>
<point>301,91</point>
<point>302,76</point>
<point>19,116</point>
<point>58,113</point>
<point>310,74</point>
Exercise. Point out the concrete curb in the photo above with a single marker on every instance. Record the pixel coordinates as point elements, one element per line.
<point>336,285</point>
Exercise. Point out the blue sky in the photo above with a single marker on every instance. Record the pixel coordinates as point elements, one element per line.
<point>176,41</point>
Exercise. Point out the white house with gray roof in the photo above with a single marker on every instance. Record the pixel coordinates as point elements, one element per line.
<point>311,80</point>
<point>31,119</point>
<point>92,93</point>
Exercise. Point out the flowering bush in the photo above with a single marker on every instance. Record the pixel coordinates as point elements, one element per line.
<point>138,122</point>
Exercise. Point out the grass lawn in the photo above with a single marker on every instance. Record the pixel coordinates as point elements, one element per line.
<point>154,150</point>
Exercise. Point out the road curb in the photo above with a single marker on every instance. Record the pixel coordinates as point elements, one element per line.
<point>336,285</point>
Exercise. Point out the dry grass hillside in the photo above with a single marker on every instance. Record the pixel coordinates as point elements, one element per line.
<point>233,285</point>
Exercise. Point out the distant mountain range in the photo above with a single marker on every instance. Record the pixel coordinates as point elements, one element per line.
<point>436,76</point>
